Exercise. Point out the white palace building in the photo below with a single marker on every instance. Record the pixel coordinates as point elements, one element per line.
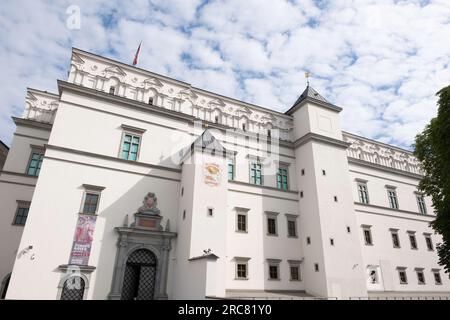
<point>127,184</point>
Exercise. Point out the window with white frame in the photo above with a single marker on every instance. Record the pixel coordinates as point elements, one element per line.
<point>274,269</point>
<point>291,225</point>
<point>392,197</point>
<point>363,192</point>
<point>395,238</point>
<point>402,275</point>
<point>373,275</point>
<point>282,177</point>
<point>91,199</point>
<point>420,276</point>
<point>412,239</point>
<point>437,276</point>
<point>271,218</point>
<point>367,235</point>
<point>294,270</point>
<point>241,268</point>
<point>428,241</point>
<point>256,173</point>
<point>131,143</point>
<point>421,203</point>
<point>231,168</point>
<point>35,161</point>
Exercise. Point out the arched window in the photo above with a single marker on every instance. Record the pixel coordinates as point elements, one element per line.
<point>73,289</point>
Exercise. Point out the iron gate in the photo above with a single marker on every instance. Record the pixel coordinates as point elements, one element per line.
<point>139,277</point>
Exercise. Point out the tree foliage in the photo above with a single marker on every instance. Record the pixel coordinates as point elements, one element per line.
<point>432,148</point>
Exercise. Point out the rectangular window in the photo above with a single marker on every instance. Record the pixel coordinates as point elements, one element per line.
<point>273,272</point>
<point>392,197</point>
<point>363,193</point>
<point>282,179</point>
<point>429,242</point>
<point>271,226</point>
<point>413,241</point>
<point>241,271</point>
<point>21,213</point>
<point>420,277</point>
<point>90,203</point>
<point>295,273</point>
<point>395,239</point>
<point>421,204</point>
<point>373,275</point>
<point>402,276</point>
<point>437,277</point>
<point>112,90</point>
<point>210,212</point>
<point>316,267</point>
<point>130,147</point>
<point>367,236</point>
<point>242,222</point>
<point>230,169</point>
<point>34,166</point>
<point>292,228</point>
<point>255,173</point>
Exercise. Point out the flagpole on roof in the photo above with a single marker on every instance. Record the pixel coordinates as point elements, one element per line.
<point>135,60</point>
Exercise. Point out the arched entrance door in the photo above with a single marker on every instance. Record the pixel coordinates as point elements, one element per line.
<point>139,277</point>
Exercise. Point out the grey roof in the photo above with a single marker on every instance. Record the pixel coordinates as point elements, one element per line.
<point>208,142</point>
<point>310,93</point>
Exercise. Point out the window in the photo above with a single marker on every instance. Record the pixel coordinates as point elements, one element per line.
<point>367,236</point>
<point>292,228</point>
<point>130,147</point>
<point>255,173</point>
<point>282,178</point>
<point>316,267</point>
<point>73,289</point>
<point>335,199</point>
<point>230,169</point>
<point>184,214</point>
<point>308,240</point>
<point>402,276</point>
<point>274,269</point>
<point>429,242</point>
<point>303,172</point>
<point>348,229</point>
<point>301,194</point>
<point>243,127</point>
<point>269,133</point>
<point>242,222</point>
<point>21,213</point>
<point>210,212</point>
<point>241,268</point>
<point>421,204</point>
<point>324,173</point>
<point>363,193</point>
<point>294,270</point>
<point>392,197</point>
<point>331,241</point>
<point>150,100</point>
<point>182,191</point>
<point>437,276</point>
<point>420,276</point>
<point>373,276</point>
<point>112,90</point>
<point>272,223</point>
<point>90,203</point>
<point>34,165</point>
<point>395,238</point>
<point>91,199</point>
<point>412,240</point>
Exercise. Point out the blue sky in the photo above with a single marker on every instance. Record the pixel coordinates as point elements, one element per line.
<point>382,61</point>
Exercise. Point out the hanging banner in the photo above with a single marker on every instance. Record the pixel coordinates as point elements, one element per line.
<point>82,240</point>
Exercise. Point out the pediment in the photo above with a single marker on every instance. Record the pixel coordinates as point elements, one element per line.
<point>153,81</point>
<point>31,96</point>
<point>115,70</point>
<point>189,93</point>
<point>217,102</point>
<point>77,59</point>
<point>244,109</point>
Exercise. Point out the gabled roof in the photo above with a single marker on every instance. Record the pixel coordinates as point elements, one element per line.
<point>311,95</point>
<point>208,142</point>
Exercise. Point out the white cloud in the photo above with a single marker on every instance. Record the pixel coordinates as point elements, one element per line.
<point>382,61</point>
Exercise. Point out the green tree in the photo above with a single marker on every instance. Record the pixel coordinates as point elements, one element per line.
<point>432,148</point>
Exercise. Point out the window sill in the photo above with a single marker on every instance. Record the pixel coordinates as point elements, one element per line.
<point>240,278</point>
<point>296,280</point>
<point>17,224</point>
<point>294,237</point>
<point>87,214</point>
<point>240,231</point>
<point>403,282</point>
<point>274,279</point>
<point>369,244</point>
<point>272,235</point>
